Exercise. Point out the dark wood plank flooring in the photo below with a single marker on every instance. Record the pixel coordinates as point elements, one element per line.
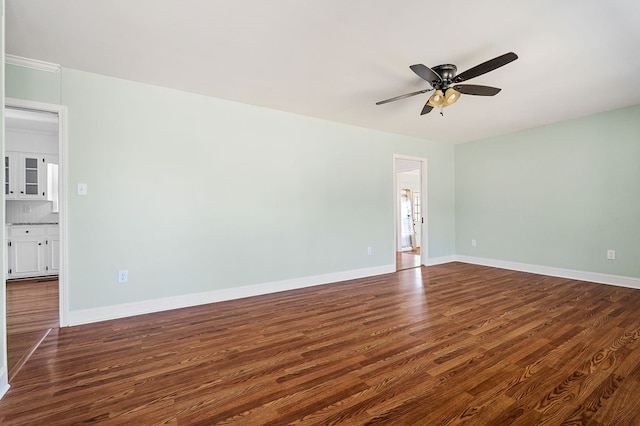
<point>449,344</point>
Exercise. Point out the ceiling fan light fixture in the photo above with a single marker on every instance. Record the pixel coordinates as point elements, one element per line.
<point>436,99</point>
<point>451,96</point>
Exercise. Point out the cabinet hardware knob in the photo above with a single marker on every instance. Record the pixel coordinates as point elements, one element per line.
<point>27,231</point>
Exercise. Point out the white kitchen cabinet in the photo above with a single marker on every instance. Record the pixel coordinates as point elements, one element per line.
<point>52,249</point>
<point>33,250</point>
<point>25,176</point>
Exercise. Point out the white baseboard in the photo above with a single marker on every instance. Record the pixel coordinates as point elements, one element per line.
<point>440,260</point>
<point>86,316</point>
<point>554,272</point>
<point>4,382</point>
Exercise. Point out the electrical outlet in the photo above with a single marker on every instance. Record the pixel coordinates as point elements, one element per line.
<point>123,276</point>
<point>369,251</point>
<point>26,208</point>
<point>474,243</point>
<point>611,254</point>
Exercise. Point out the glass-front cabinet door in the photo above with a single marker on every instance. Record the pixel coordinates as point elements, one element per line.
<point>7,178</point>
<point>24,176</point>
<point>31,180</point>
<point>10,184</point>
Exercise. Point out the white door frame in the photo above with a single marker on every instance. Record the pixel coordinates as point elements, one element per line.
<point>424,236</point>
<point>61,110</point>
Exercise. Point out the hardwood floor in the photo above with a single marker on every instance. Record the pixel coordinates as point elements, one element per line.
<point>32,311</point>
<point>407,259</point>
<point>449,344</point>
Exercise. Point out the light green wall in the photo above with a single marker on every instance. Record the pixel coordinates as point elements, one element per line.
<point>35,85</point>
<point>558,195</point>
<point>191,194</point>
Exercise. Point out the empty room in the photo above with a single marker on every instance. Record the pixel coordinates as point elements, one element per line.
<point>361,212</point>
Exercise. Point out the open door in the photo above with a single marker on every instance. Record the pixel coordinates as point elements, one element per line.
<point>409,174</point>
<point>35,222</point>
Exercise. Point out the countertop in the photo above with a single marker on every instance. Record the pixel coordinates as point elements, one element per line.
<point>31,223</point>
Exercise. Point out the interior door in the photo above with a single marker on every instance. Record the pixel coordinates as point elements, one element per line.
<point>417,219</point>
<point>407,233</point>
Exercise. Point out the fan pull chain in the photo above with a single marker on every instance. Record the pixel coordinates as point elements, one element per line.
<point>441,108</point>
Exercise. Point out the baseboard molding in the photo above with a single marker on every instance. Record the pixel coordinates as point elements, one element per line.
<point>554,272</point>
<point>440,260</point>
<point>4,382</point>
<point>86,316</point>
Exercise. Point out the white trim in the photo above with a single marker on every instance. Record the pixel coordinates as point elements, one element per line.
<point>61,110</point>
<point>31,63</point>
<point>105,313</point>
<point>595,277</point>
<point>424,208</point>
<point>86,316</point>
<point>440,260</point>
<point>424,205</point>
<point>63,209</point>
<point>4,382</point>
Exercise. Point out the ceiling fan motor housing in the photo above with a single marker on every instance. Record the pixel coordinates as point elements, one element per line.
<point>447,72</point>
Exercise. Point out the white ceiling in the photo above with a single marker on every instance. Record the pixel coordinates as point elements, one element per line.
<point>333,59</point>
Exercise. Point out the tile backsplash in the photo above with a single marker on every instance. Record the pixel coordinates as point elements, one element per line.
<point>29,212</point>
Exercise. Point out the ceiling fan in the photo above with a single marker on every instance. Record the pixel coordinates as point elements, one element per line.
<point>445,82</point>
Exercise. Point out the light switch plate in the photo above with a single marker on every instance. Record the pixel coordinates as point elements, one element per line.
<point>82,189</point>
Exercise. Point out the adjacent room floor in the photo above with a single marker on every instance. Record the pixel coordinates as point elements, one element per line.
<point>32,312</point>
<point>407,259</point>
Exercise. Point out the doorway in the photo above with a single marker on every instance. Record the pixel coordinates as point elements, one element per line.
<point>35,223</point>
<point>409,213</point>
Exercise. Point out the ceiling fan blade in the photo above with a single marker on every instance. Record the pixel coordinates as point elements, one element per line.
<point>403,96</point>
<point>426,73</point>
<point>485,67</point>
<point>473,89</point>
<point>426,109</point>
